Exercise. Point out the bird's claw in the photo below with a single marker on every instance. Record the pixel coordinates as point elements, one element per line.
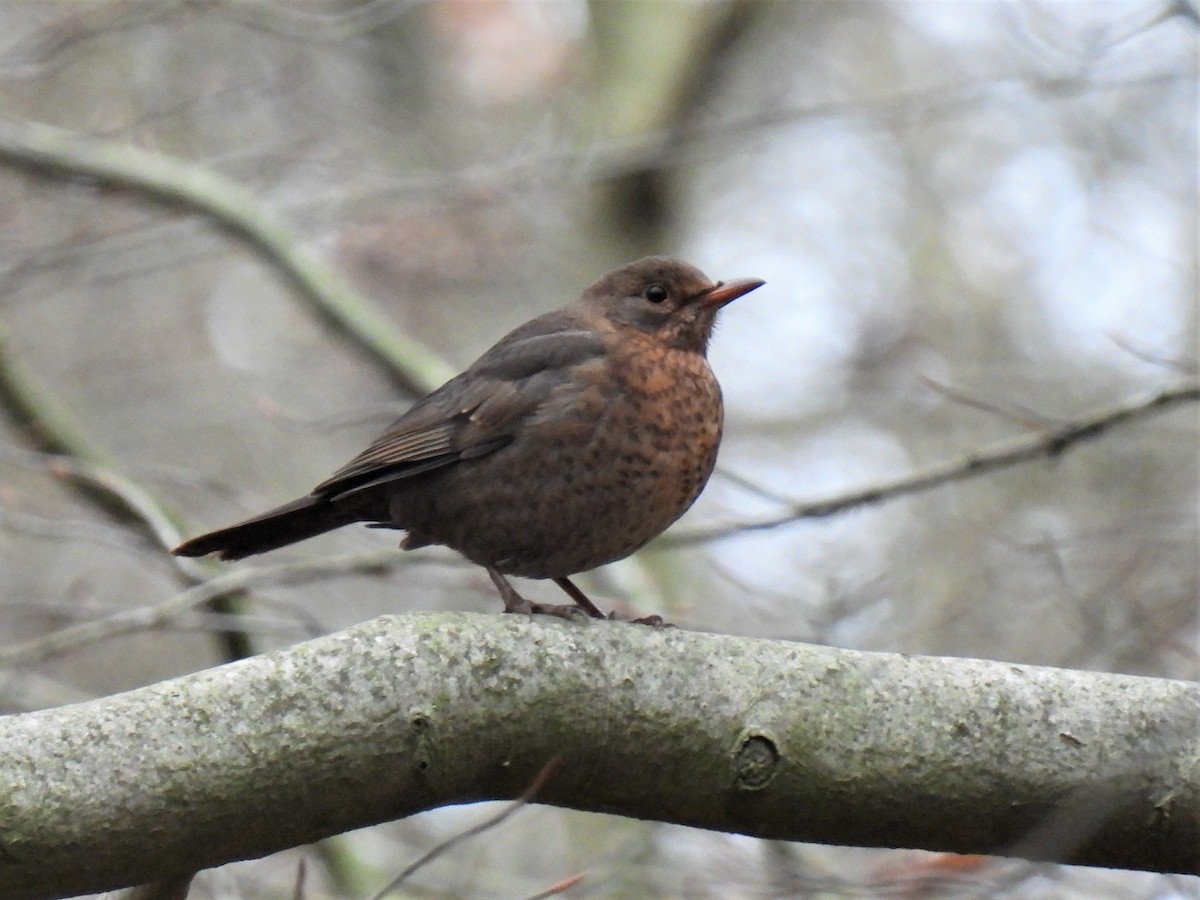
<point>654,621</point>
<point>566,611</point>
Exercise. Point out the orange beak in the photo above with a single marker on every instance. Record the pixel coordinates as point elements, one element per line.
<point>727,291</point>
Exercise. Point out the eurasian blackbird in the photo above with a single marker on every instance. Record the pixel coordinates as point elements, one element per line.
<point>572,442</point>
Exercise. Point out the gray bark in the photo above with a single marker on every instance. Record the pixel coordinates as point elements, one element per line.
<point>781,740</point>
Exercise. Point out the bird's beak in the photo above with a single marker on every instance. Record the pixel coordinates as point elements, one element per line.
<point>727,291</point>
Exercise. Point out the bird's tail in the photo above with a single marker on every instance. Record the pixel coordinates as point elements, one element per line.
<point>287,524</point>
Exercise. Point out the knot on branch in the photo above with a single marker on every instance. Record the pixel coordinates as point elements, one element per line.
<point>755,762</point>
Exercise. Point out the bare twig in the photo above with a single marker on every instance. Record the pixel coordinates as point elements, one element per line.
<point>624,157</point>
<point>116,495</point>
<point>71,611</point>
<point>134,503</point>
<point>1044,445</point>
<point>40,412</point>
<point>751,487</point>
<point>88,469</point>
<point>44,149</point>
<point>70,455</point>
<point>226,584</point>
<point>1175,364</point>
<point>558,887</point>
<point>538,782</point>
<point>68,530</point>
<point>1015,413</point>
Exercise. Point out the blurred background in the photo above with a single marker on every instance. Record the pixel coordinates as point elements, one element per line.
<point>977,221</point>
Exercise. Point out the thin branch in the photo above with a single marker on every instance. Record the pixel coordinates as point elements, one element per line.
<point>1005,454</point>
<point>230,583</point>
<point>535,787</point>
<point>338,24</point>
<point>68,453</point>
<point>1027,418</point>
<point>87,468</point>
<point>558,887</point>
<point>71,611</point>
<point>41,413</point>
<point>750,487</point>
<point>47,45</point>
<point>45,149</point>
<point>135,504</point>
<point>58,529</point>
<point>662,149</point>
<point>1175,364</point>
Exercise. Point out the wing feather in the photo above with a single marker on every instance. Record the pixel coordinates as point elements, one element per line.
<point>474,414</point>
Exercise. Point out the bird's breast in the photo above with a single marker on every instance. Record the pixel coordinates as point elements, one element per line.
<point>620,448</point>
<point>646,424</point>
<point>674,416</point>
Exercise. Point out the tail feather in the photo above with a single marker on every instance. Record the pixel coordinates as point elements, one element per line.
<point>287,524</point>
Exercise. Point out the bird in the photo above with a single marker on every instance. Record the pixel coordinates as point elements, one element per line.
<point>572,442</point>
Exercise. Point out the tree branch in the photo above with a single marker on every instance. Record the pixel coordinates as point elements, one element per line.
<point>1045,444</point>
<point>231,583</point>
<point>48,150</point>
<point>74,457</point>
<point>780,740</point>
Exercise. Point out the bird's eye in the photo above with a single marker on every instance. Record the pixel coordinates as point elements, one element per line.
<point>656,293</point>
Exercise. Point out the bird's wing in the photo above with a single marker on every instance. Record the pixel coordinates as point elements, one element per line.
<point>473,414</point>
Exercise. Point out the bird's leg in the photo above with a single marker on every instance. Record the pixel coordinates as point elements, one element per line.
<point>580,598</point>
<point>515,603</point>
<point>592,610</point>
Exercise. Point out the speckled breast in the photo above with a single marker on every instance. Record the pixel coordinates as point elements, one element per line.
<point>620,452</point>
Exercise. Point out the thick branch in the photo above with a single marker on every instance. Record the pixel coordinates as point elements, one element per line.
<point>781,740</point>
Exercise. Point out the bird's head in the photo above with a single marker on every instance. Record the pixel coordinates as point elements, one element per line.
<point>666,298</point>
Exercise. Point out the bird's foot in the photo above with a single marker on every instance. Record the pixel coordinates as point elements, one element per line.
<point>654,621</point>
<point>515,603</point>
<point>582,610</point>
<point>567,611</point>
<point>592,610</point>
<point>580,598</point>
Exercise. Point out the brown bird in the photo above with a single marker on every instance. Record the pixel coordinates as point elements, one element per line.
<point>572,442</point>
